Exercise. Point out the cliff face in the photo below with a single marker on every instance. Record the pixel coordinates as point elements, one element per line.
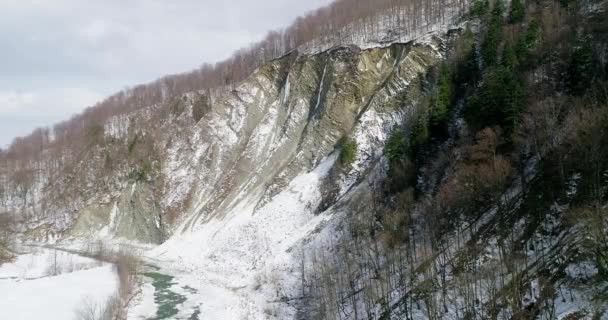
<point>418,180</point>
<point>231,181</point>
<point>212,155</point>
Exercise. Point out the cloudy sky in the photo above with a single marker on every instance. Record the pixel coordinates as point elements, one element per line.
<point>60,56</point>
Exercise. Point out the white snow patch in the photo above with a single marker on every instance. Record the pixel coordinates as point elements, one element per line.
<point>52,297</point>
<point>236,263</point>
<point>42,262</point>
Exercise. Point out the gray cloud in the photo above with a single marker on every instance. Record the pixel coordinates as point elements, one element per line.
<point>60,56</point>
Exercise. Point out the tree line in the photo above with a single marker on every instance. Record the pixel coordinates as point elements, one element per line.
<point>339,23</point>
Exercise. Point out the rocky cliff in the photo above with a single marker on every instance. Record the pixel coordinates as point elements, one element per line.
<point>438,178</point>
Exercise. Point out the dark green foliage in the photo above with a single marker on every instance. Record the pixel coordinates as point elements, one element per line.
<point>521,50</point>
<point>480,8</point>
<point>420,131</point>
<point>532,34</point>
<point>401,171</point>
<point>498,9</point>
<point>509,58</point>
<point>441,102</point>
<point>517,11</point>
<point>492,39</point>
<point>468,70</point>
<point>348,152</point>
<point>464,63</point>
<point>498,101</point>
<point>581,70</point>
<point>396,146</point>
<point>526,42</point>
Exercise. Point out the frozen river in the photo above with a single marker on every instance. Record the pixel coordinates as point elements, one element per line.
<point>54,285</point>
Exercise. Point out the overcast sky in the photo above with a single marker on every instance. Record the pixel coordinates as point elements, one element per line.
<point>59,56</point>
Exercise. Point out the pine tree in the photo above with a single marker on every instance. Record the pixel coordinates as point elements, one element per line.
<point>509,58</point>
<point>493,36</point>
<point>441,101</point>
<point>517,11</point>
<point>395,148</point>
<point>480,8</point>
<point>531,35</point>
<point>521,50</point>
<point>498,101</point>
<point>420,132</point>
<point>468,70</point>
<point>581,70</point>
<point>396,153</point>
<point>348,152</point>
<point>499,8</point>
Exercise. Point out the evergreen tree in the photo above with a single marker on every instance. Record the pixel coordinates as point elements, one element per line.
<point>395,149</point>
<point>468,70</point>
<point>348,152</point>
<point>493,36</point>
<point>419,134</point>
<point>498,101</point>
<point>517,11</point>
<point>531,35</point>
<point>499,8</point>
<point>480,8</point>
<point>441,102</point>
<point>401,170</point>
<point>509,58</point>
<point>581,70</point>
<point>521,50</point>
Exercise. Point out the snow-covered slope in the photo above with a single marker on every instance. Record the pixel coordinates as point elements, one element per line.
<point>241,244</point>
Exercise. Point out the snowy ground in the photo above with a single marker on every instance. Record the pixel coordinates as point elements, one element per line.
<point>238,267</point>
<point>48,284</point>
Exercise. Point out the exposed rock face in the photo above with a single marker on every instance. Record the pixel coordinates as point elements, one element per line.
<point>289,116</point>
<point>172,167</point>
<point>133,216</point>
<point>233,181</point>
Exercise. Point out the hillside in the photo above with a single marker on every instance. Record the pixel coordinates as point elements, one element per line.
<point>447,168</point>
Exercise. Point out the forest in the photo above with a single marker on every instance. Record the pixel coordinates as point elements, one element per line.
<point>500,182</point>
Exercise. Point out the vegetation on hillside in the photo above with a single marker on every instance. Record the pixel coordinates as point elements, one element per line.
<point>489,222</point>
<point>68,139</point>
<point>348,152</point>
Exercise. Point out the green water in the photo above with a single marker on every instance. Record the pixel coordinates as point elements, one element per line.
<point>166,299</point>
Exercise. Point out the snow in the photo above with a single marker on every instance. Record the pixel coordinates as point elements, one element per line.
<point>287,91</point>
<point>320,89</point>
<point>40,263</point>
<point>583,270</point>
<point>243,260</point>
<point>117,127</point>
<point>106,231</point>
<point>144,307</point>
<point>386,33</point>
<point>239,264</point>
<point>28,294</point>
